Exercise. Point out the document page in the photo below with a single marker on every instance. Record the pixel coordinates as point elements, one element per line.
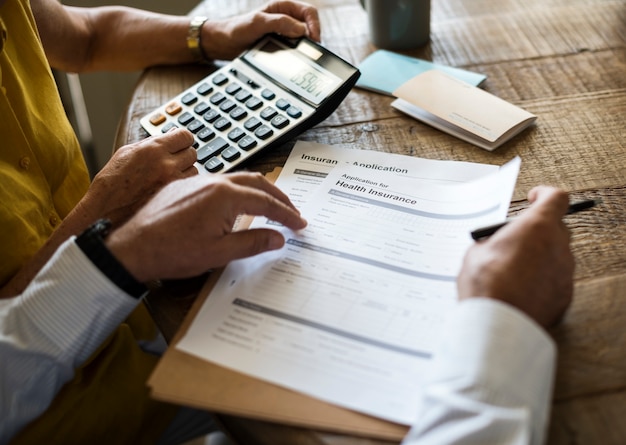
<point>309,163</point>
<point>351,309</point>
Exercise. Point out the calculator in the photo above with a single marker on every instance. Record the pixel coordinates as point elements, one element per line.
<point>268,95</point>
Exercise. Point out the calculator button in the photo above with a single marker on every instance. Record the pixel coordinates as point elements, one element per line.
<point>222,124</point>
<point>185,118</point>
<point>206,134</point>
<point>236,134</point>
<point>211,149</point>
<point>294,112</point>
<point>233,88</point>
<point>157,119</point>
<point>204,89</point>
<point>264,132</point>
<point>168,127</point>
<point>210,116</point>
<point>268,94</point>
<point>220,79</point>
<point>231,153</point>
<point>201,108</point>
<point>252,124</point>
<point>243,95</point>
<point>214,165</point>
<point>282,104</point>
<point>247,143</point>
<point>238,113</point>
<point>268,113</point>
<point>217,98</point>
<point>227,106</point>
<point>195,145</point>
<point>189,99</point>
<point>280,121</point>
<point>195,126</point>
<point>173,108</point>
<point>254,103</point>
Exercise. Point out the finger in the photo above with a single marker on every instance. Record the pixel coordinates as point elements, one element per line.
<point>175,140</point>
<point>543,220</point>
<point>184,159</point>
<point>256,202</point>
<point>302,19</point>
<point>550,201</point>
<point>191,171</point>
<point>245,243</point>
<point>312,21</point>
<point>305,13</point>
<point>282,24</point>
<point>258,181</point>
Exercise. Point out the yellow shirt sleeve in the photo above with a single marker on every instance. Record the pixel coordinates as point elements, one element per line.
<point>42,177</point>
<point>42,171</point>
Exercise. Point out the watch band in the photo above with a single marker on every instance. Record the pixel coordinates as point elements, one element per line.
<point>91,242</point>
<point>193,39</point>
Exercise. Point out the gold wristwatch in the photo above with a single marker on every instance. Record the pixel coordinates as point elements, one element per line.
<point>193,38</point>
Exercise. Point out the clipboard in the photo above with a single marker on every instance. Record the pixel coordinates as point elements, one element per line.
<point>183,379</point>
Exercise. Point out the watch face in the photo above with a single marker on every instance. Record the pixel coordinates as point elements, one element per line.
<point>102,227</point>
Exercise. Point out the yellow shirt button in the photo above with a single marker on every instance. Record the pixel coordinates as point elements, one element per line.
<point>54,220</point>
<point>25,162</point>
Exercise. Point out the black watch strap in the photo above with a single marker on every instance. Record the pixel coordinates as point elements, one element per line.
<point>91,242</point>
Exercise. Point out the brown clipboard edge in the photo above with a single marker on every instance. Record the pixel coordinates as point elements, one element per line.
<point>184,379</point>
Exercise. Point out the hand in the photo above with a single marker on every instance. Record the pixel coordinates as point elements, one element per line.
<point>187,228</point>
<point>136,172</point>
<point>528,263</point>
<point>226,39</point>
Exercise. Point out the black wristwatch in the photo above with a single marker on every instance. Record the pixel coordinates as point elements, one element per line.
<point>91,242</point>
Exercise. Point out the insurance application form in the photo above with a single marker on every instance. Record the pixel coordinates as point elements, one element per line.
<point>309,163</point>
<point>350,310</point>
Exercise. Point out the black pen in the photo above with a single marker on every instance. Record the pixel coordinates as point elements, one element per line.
<point>484,232</point>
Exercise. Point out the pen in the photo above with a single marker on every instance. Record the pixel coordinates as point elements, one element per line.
<point>484,232</point>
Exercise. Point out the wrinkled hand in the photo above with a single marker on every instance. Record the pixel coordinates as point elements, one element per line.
<point>187,228</point>
<point>528,263</point>
<point>226,39</point>
<point>136,172</point>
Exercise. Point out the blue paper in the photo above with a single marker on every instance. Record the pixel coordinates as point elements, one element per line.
<point>384,71</point>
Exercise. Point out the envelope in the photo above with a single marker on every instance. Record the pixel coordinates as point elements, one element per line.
<point>461,109</point>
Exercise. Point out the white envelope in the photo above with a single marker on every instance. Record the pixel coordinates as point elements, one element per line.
<point>461,109</point>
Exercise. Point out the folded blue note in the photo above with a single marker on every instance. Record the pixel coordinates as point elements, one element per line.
<point>384,71</point>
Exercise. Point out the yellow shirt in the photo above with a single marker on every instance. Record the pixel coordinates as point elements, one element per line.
<point>42,172</point>
<point>42,177</point>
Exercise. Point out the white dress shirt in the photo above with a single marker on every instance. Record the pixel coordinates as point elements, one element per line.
<point>490,381</point>
<point>63,316</point>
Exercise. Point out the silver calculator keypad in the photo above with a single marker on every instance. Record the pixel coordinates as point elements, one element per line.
<point>233,113</point>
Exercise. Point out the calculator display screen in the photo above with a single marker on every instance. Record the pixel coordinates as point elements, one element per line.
<point>295,71</point>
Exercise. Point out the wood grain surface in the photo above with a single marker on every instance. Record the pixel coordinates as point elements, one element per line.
<point>563,60</point>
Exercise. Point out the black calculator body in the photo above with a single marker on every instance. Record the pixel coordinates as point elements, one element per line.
<point>267,96</point>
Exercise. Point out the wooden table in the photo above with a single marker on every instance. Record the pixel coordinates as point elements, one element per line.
<point>563,60</point>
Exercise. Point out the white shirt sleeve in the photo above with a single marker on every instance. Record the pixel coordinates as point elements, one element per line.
<point>490,382</point>
<point>63,316</point>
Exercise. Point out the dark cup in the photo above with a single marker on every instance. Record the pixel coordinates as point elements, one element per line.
<point>398,24</point>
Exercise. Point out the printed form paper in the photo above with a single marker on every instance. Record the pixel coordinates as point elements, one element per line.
<point>350,310</point>
<point>309,163</point>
